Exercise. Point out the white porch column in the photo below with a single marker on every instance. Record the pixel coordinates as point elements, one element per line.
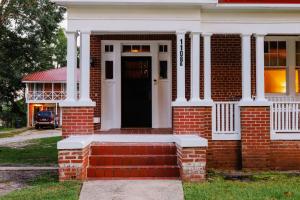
<point>85,67</point>
<point>260,68</point>
<point>181,67</point>
<point>195,67</point>
<point>72,65</point>
<point>207,67</point>
<point>246,67</point>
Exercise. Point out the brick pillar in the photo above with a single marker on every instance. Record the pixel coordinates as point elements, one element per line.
<point>192,163</point>
<point>192,120</point>
<point>73,164</point>
<point>255,131</point>
<point>77,121</point>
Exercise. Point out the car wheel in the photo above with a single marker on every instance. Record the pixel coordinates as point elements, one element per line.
<point>37,126</point>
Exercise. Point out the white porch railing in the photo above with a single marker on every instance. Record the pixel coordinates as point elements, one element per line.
<point>285,120</point>
<point>45,96</point>
<point>286,117</point>
<point>226,121</point>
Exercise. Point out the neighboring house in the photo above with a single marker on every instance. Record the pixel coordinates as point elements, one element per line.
<point>225,72</point>
<point>44,91</point>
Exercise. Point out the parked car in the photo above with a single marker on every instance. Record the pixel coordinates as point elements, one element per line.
<point>45,119</point>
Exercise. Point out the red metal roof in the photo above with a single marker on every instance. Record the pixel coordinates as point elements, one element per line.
<point>49,76</point>
<point>262,1</point>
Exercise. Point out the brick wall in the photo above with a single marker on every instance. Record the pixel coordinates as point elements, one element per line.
<point>255,131</point>
<point>73,163</point>
<point>285,155</point>
<point>77,121</point>
<point>197,120</point>
<point>192,163</point>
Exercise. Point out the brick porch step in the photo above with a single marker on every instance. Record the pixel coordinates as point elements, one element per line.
<point>133,160</point>
<point>134,149</point>
<point>133,171</point>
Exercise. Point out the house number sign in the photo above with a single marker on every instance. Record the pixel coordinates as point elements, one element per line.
<point>181,53</point>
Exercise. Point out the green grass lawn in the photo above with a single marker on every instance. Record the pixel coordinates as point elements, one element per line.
<point>47,187</point>
<point>39,152</point>
<point>264,186</point>
<point>11,132</point>
<point>2,129</point>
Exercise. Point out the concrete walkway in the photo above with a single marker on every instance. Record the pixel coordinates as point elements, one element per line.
<point>132,190</point>
<point>29,135</point>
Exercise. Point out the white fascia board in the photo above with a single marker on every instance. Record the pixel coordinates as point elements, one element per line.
<point>242,6</point>
<point>134,2</point>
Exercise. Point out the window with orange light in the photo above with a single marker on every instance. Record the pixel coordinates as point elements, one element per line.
<point>275,67</point>
<point>297,70</point>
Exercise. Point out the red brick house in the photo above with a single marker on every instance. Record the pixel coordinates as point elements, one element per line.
<point>171,88</point>
<point>44,91</point>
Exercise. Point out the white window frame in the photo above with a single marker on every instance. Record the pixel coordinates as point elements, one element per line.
<point>290,64</point>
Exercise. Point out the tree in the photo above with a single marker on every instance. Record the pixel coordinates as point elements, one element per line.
<point>28,37</point>
<point>60,52</point>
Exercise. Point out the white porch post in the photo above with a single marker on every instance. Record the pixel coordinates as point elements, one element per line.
<point>260,65</point>
<point>85,67</point>
<point>72,65</point>
<point>246,68</point>
<point>195,67</point>
<point>207,66</point>
<point>180,67</point>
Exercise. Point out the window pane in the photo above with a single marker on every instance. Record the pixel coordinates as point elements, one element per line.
<point>161,48</point>
<point>106,48</point>
<point>297,80</point>
<point>163,70</point>
<point>282,53</point>
<point>109,48</point>
<point>298,53</point>
<point>273,47</point>
<point>109,70</point>
<point>267,59</point>
<point>135,49</point>
<point>266,47</point>
<point>145,48</point>
<point>298,60</point>
<point>273,59</point>
<point>275,80</point>
<point>127,48</point>
<point>298,47</point>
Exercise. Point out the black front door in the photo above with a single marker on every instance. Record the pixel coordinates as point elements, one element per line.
<point>136,92</point>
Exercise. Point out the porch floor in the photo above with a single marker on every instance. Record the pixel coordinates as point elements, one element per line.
<point>137,131</point>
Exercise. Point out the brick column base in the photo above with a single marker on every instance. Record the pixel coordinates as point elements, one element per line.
<point>73,164</point>
<point>255,132</point>
<point>192,163</point>
<point>77,121</point>
<point>192,120</point>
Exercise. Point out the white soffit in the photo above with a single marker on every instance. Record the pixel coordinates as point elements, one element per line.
<point>134,2</point>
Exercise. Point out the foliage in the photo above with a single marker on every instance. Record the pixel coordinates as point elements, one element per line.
<point>38,152</point>
<point>265,186</point>
<point>47,187</point>
<point>14,115</point>
<point>29,37</point>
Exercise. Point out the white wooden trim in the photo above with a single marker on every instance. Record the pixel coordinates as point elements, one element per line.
<point>114,120</point>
